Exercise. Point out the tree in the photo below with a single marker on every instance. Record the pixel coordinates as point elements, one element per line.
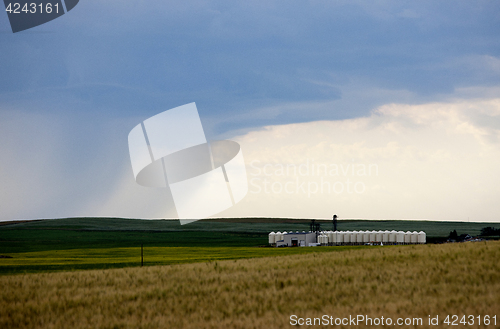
<point>453,235</point>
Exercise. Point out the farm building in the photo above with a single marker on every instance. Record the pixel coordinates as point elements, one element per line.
<point>291,239</point>
<point>338,238</point>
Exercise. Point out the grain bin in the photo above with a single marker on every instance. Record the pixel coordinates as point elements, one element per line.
<point>353,237</point>
<point>422,237</point>
<point>347,237</point>
<point>366,236</point>
<point>414,237</point>
<point>393,236</point>
<point>271,238</point>
<point>324,239</point>
<point>359,237</point>
<point>407,237</point>
<point>379,236</point>
<point>400,237</point>
<point>277,237</point>
<point>373,236</point>
<point>340,237</point>
<point>385,236</point>
<point>334,238</point>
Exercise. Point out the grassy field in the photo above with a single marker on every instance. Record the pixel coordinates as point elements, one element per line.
<point>107,258</point>
<point>396,282</point>
<point>100,243</point>
<point>244,225</point>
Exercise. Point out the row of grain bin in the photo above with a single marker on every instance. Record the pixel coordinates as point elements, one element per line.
<point>274,237</point>
<point>278,236</point>
<point>364,237</point>
<point>335,238</point>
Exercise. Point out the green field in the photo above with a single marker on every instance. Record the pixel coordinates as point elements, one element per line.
<point>246,225</point>
<point>106,258</point>
<point>96,243</point>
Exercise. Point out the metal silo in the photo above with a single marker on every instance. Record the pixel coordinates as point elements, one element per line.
<point>340,237</point>
<point>385,236</point>
<point>330,236</point>
<point>373,236</point>
<point>359,237</point>
<point>414,237</point>
<point>324,240</point>
<point>271,238</point>
<point>422,237</point>
<point>354,235</point>
<point>379,236</point>
<point>393,236</point>
<point>333,241</point>
<point>366,236</point>
<point>407,237</point>
<point>347,237</point>
<point>400,237</point>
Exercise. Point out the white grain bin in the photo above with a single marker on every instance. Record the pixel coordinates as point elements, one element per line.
<point>331,237</point>
<point>385,236</point>
<point>324,240</point>
<point>407,237</point>
<point>340,237</point>
<point>277,237</point>
<point>414,237</point>
<point>359,237</point>
<point>393,236</point>
<point>347,237</point>
<point>354,235</point>
<point>379,236</point>
<point>400,238</point>
<point>271,238</point>
<point>334,238</point>
<point>373,236</point>
<point>422,237</point>
<point>366,236</point>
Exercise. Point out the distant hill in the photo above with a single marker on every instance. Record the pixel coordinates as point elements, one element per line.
<point>247,225</point>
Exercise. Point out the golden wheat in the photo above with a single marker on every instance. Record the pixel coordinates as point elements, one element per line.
<point>406,281</point>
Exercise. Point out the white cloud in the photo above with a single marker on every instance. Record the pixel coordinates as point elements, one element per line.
<point>433,161</point>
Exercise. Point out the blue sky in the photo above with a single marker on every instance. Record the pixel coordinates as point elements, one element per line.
<point>72,89</point>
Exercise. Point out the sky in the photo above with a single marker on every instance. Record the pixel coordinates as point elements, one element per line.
<point>398,100</point>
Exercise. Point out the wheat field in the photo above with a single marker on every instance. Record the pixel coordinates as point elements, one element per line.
<point>399,281</point>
